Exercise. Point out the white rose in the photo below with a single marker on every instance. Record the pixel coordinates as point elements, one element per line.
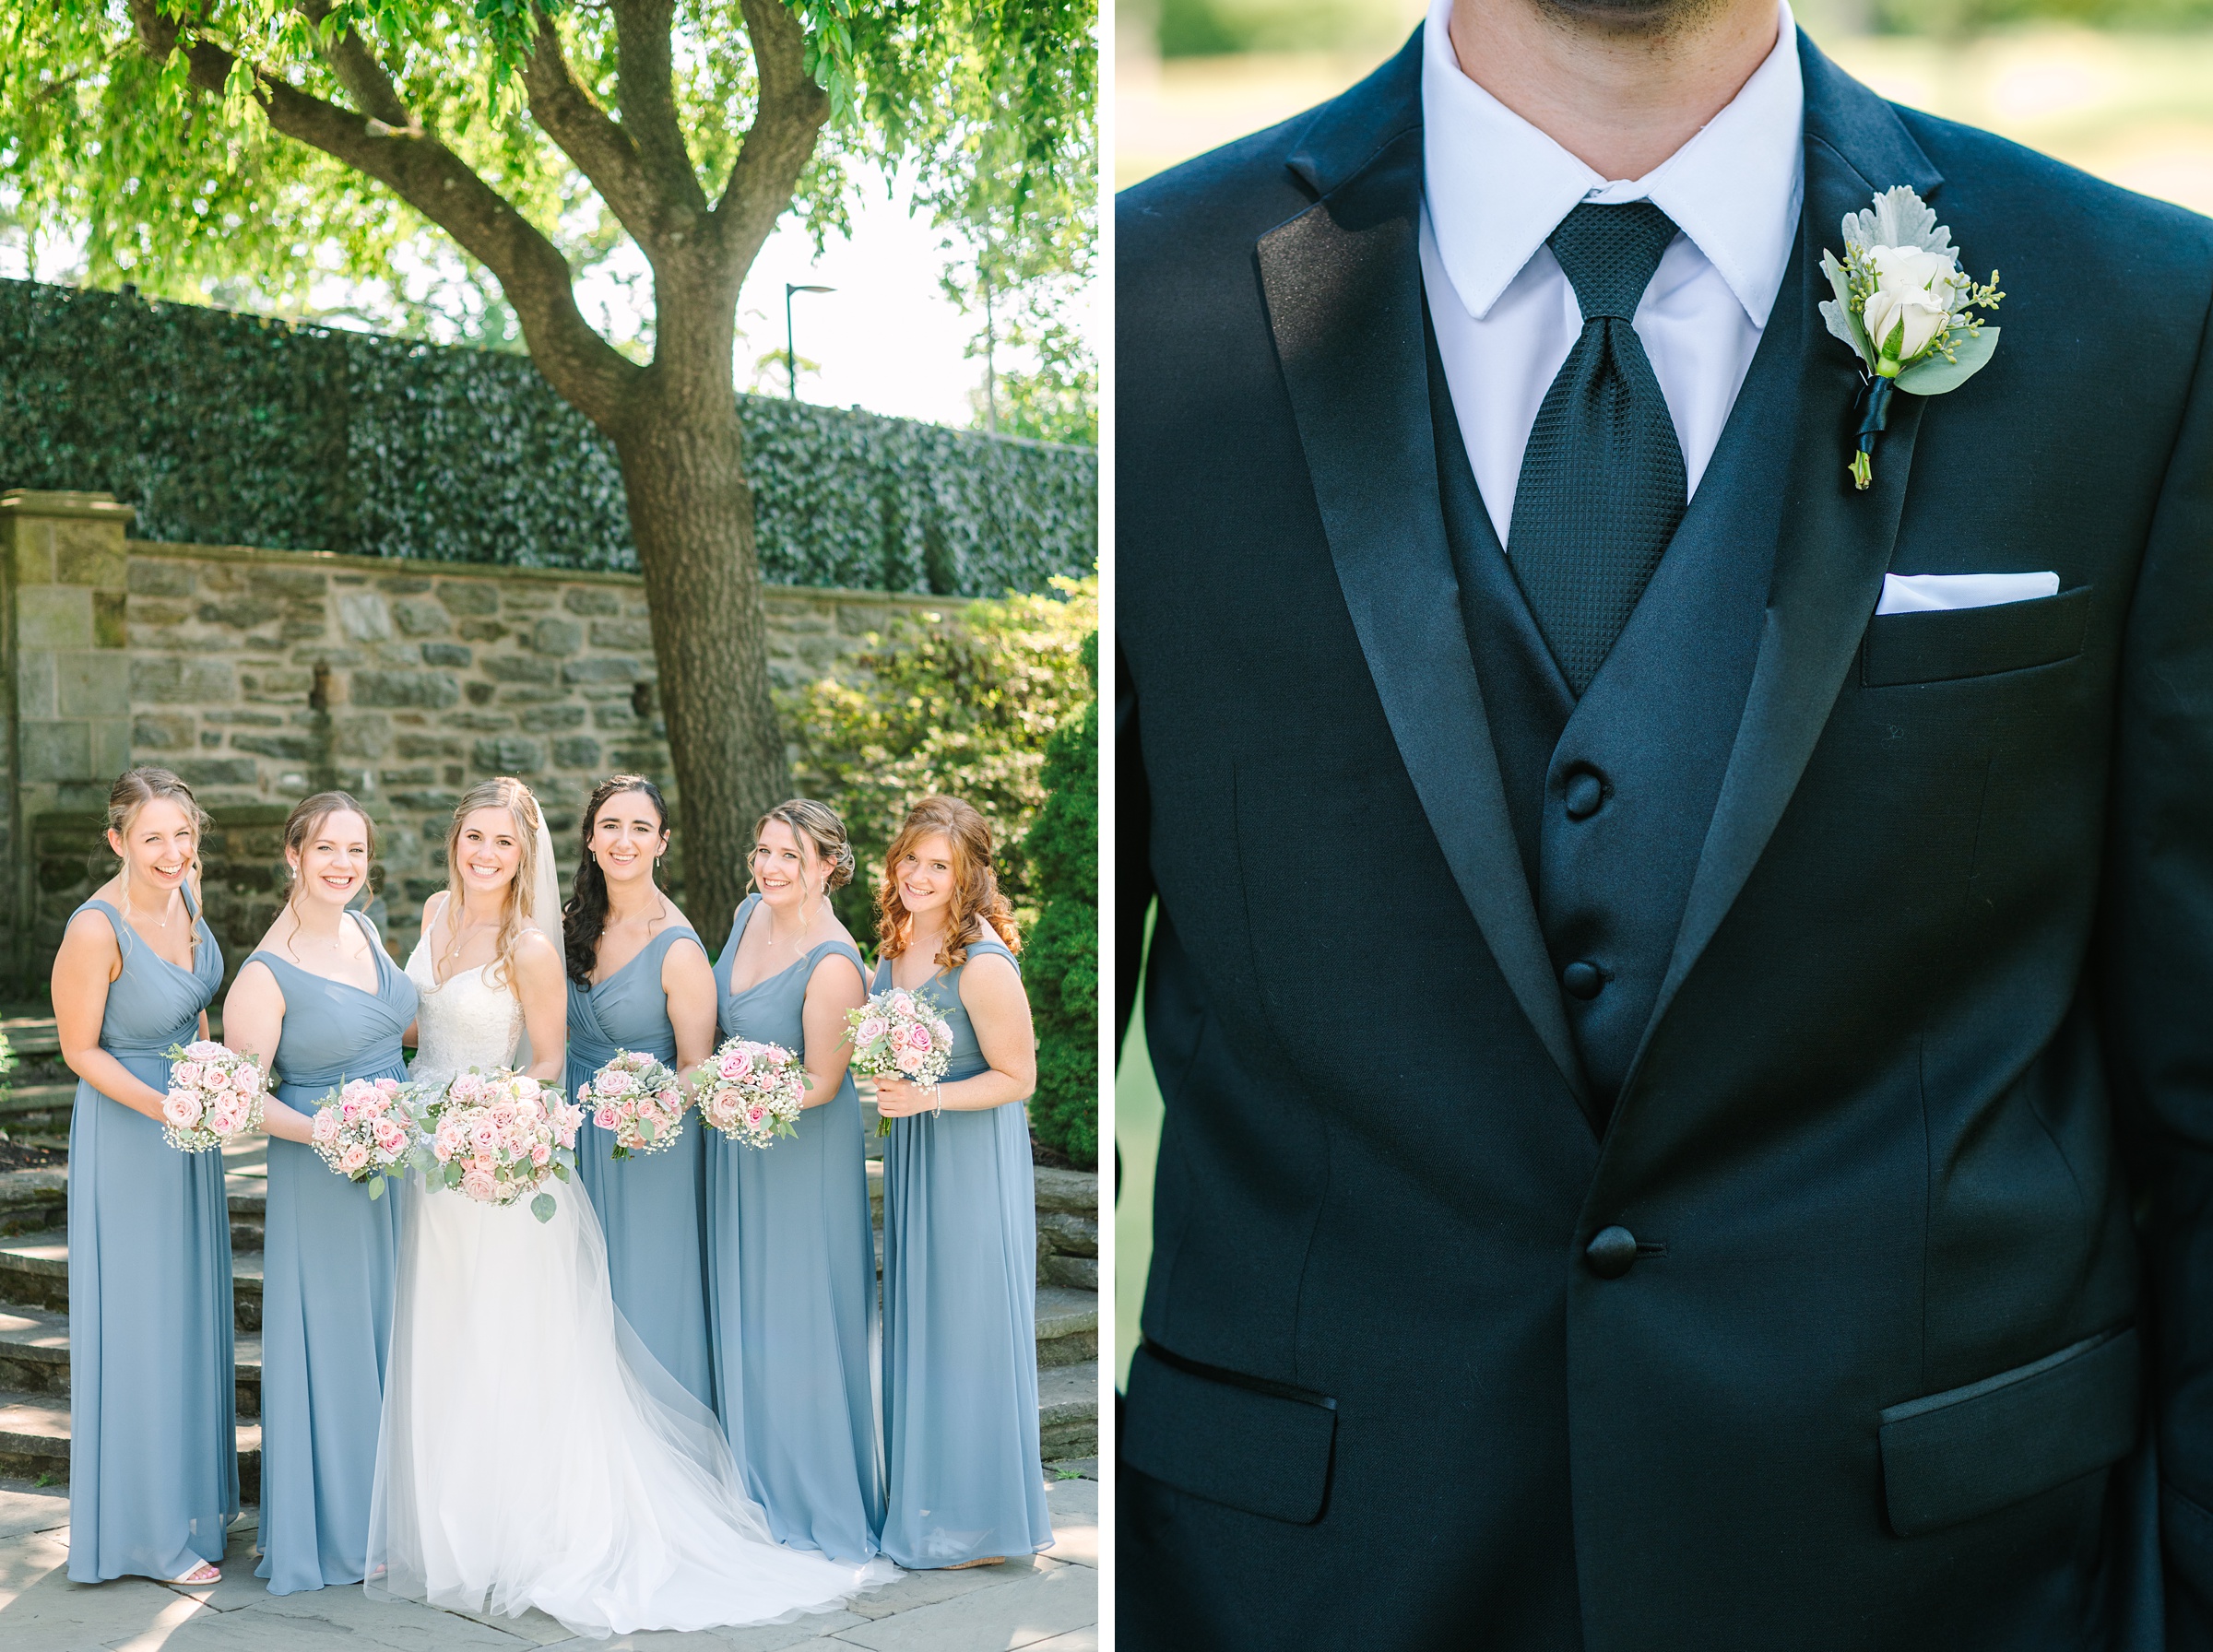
<point>1915,291</point>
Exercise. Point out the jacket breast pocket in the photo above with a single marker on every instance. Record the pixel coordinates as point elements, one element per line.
<point>1974,1450</point>
<point>1951,643</point>
<point>1252,1444</point>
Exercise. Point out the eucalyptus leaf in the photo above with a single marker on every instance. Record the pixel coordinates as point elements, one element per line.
<point>543,1207</point>
<point>561,1170</point>
<point>376,1187</point>
<point>1933,375</point>
<point>453,1174</point>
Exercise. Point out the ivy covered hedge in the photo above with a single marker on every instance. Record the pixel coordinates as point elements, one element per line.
<point>226,429</point>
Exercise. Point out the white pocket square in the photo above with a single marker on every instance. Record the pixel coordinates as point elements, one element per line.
<point>1931,593</point>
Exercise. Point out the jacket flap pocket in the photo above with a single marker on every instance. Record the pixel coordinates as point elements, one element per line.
<point>1263,1448</point>
<point>1954,642</point>
<point>1971,1451</point>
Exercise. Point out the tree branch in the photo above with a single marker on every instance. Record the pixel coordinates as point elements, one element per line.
<point>643,32</point>
<point>781,140</point>
<point>658,220</point>
<point>590,374</point>
<point>358,71</point>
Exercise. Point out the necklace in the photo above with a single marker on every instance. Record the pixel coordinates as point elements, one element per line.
<point>159,923</point>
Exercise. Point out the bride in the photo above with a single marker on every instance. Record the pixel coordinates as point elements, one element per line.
<point>534,1453</point>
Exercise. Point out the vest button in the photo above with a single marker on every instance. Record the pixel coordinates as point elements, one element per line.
<point>1582,980</point>
<point>1611,1253</point>
<point>1586,791</point>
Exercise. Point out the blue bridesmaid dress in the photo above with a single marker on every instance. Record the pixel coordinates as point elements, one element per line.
<point>326,1298</point>
<point>960,1317</point>
<point>791,1283</point>
<point>153,1427</point>
<point>650,1204</point>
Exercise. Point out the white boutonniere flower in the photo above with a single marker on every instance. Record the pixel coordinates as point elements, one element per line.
<point>1907,310</point>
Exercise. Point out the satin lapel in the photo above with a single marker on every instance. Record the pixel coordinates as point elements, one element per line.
<point>1343,288</point>
<point>1835,542</point>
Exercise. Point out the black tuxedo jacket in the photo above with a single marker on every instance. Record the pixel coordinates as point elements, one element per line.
<point>1916,1347</point>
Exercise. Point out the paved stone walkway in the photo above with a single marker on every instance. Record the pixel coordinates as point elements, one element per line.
<point>1049,1603</point>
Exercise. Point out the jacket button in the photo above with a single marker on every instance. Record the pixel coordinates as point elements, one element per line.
<point>1611,1253</point>
<point>1581,979</point>
<point>1585,792</point>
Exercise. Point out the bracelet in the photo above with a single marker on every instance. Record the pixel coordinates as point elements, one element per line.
<point>937,1108</point>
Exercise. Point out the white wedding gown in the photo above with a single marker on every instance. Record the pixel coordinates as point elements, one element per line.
<point>534,1453</point>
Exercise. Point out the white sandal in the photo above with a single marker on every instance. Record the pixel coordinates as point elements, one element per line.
<point>204,1573</point>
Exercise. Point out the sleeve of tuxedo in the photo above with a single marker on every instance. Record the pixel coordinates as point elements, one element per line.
<point>1133,851</point>
<point>2156,972</point>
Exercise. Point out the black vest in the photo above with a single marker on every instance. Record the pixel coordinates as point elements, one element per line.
<point>1656,726</point>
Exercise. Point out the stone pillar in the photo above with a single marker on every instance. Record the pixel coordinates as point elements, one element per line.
<point>66,676</point>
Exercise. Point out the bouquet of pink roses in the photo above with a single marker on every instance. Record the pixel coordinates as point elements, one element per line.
<point>365,1129</point>
<point>896,1034</point>
<point>753,1093</point>
<point>214,1093</point>
<point>637,1098</point>
<point>495,1137</point>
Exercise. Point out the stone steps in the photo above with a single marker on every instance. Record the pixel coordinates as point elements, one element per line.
<point>34,1333</point>
<point>34,1441</point>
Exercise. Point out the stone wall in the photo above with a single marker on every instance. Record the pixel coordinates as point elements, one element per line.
<point>260,675</point>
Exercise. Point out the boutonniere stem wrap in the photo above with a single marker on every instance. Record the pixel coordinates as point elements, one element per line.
<point>1906,309</point>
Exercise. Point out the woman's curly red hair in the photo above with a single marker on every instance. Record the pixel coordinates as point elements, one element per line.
<point>975,898</point>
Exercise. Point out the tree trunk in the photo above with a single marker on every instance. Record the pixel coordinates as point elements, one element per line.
<point>692,514</point>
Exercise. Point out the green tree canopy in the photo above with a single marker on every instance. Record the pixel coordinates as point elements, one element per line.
<point>272,142</point>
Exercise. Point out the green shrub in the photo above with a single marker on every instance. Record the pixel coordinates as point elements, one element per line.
<point>228,429</point>
<point>1061,962</point>
<point>962,704</point>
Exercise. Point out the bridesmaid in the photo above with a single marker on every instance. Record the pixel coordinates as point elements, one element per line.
<point>639,980</point>
<point>322,1000</point>
<point>791,1261</point>
<point>153,1440</point>
<point>960,1216</point>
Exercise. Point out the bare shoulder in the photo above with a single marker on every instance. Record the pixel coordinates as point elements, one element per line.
<point>90,930</point>
<point>256,983</point>
<point>534,953</point>
<point>991,978</point>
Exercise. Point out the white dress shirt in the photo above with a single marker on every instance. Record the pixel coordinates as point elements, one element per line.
<point>1495,187</point>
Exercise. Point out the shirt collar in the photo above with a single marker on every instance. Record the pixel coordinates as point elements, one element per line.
<point>1495,186</point>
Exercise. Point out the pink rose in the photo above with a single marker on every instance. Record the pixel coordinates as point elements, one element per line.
<point>485,1136</point>
<point>480,1186</point>
<point>390,1137</point>
<point>870,1030</point>
<point>354,1159</point>
<point>181,1109</point>
<point>540,1154</point>
<point>327,1126</point>
<point>909,1061</point>
<point>605,1118</point>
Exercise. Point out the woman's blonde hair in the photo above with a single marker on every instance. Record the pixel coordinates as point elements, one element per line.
<point>975,898</point>
<point>817,826</point>
<point>512,795</point>
<point>134,788</point>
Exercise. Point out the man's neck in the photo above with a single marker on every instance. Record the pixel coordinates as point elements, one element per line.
<point>1619,99</point>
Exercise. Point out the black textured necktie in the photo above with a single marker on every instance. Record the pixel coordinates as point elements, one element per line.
<point>1601,484</point>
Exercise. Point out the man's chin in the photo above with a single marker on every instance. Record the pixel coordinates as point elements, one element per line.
<point>1643,18</point>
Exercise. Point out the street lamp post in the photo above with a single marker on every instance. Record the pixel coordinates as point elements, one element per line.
<point>791,354</point>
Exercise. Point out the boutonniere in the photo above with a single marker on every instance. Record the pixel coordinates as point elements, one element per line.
<point>1907,310</point>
